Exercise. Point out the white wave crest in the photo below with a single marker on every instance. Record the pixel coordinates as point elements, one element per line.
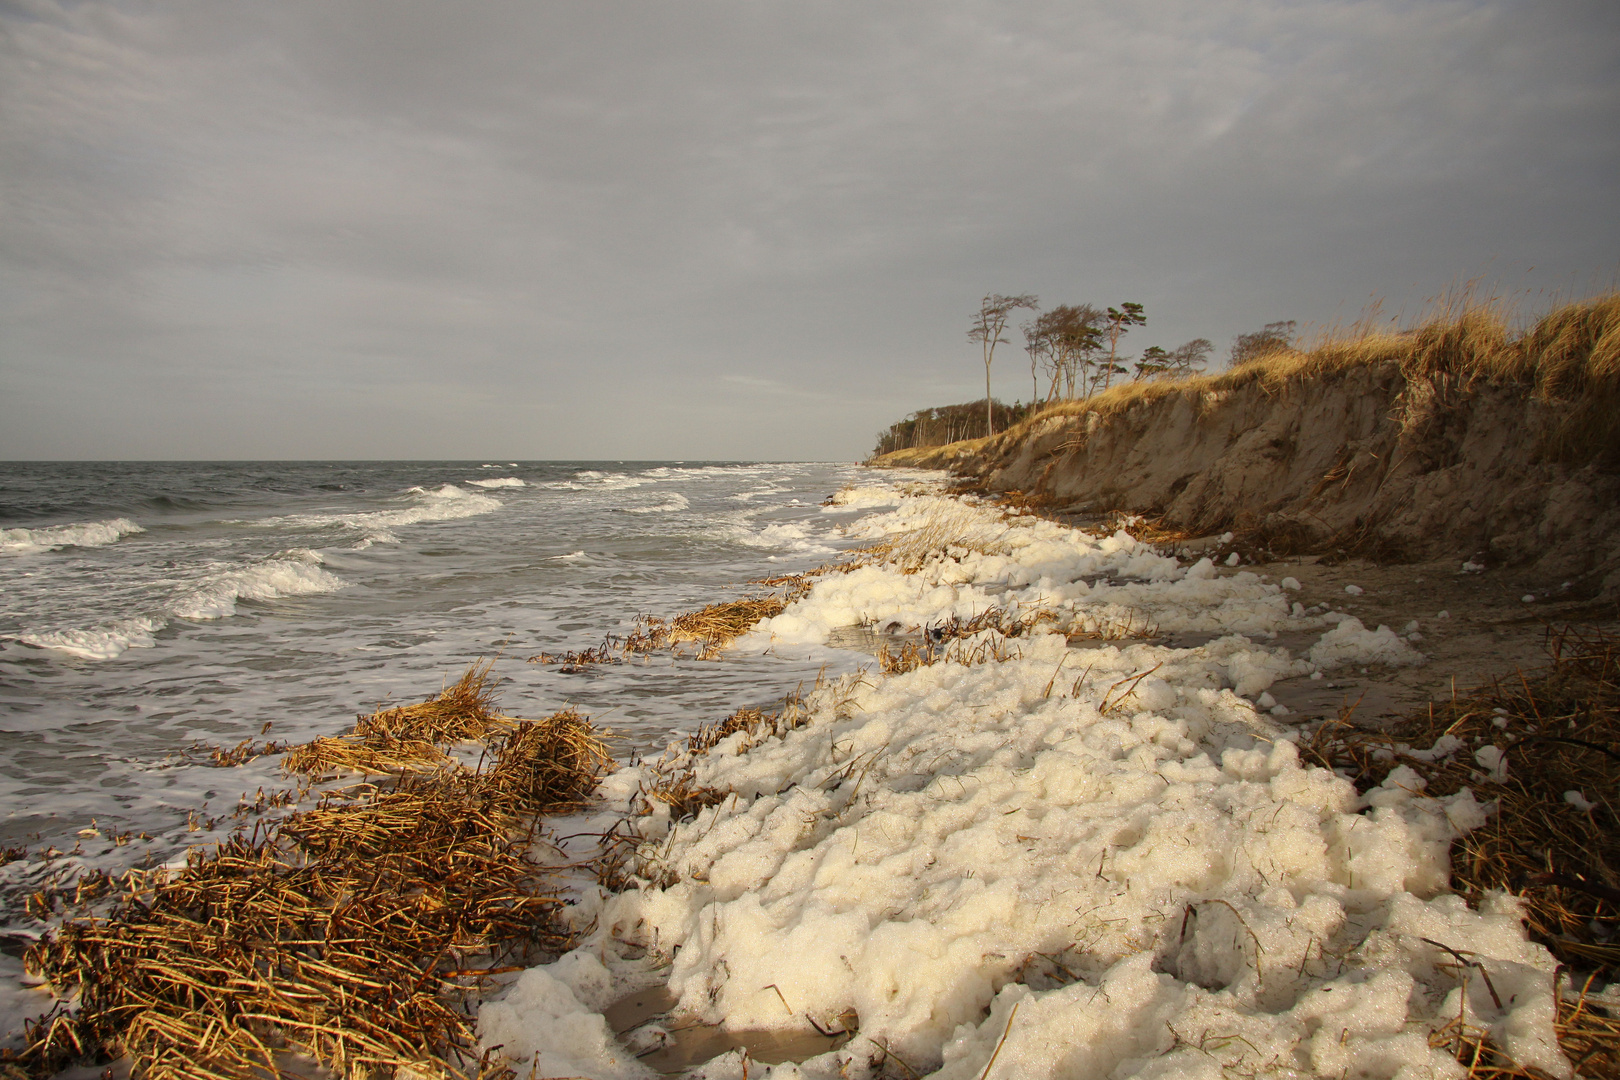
<point>499,482</point>
<point>97,643</point>
<point>570,557</point>
<point>672,501</point>
<point>86,534</point>
<point>375,526</point>
<point>780,537</point>
<point>289,573</point>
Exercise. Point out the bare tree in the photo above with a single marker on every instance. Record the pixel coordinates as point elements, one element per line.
<point>987,327</point>
<point>1273,337</point>
<point>1038,348</point>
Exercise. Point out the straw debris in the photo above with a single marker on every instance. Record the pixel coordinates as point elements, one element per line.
<point>407,738</point>
<point>1545,746</point>
<point>354,932</point>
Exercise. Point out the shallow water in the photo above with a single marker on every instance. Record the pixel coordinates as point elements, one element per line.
<point>146,607</point>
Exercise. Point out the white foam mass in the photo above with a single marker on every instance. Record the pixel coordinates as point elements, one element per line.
<point>499,482</point>
<point>290,573</point>
<point>667,503</point>
<point>915,851</point>
<point>52,537</point>
<point>855,498</point>
<point>97,643</point>
<point>1093,861</point>
<point>446,503</point>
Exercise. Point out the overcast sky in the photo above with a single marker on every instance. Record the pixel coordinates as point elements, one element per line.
<point>688,229</point>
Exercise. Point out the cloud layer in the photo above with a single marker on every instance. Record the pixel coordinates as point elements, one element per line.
<point>382,228</point>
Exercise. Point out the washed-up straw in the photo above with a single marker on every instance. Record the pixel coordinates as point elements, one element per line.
<point>1544,747</point>
<point>352,932</point>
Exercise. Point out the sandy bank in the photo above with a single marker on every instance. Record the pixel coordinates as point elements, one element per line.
<point>1459,440</point>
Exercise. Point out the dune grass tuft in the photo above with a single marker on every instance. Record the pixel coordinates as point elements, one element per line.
<point>1570,358</point>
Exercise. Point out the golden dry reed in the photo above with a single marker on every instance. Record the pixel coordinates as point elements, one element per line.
<point>1569,357</point>
<point>1554,838</point>
<point>353,932</point>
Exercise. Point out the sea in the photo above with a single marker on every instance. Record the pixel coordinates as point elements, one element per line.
<point>151,611</point>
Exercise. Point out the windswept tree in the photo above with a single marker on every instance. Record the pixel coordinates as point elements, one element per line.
<point>1120,320</point>
<point>1178,362</point>
<point>1271,338</point>
<point>1039,349</point>
<point>987,328</point>
<point>1069,337</point>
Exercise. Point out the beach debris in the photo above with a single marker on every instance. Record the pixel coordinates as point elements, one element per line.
<point>352,932</point>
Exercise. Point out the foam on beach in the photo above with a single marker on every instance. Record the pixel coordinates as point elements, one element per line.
<point>1048,854</point>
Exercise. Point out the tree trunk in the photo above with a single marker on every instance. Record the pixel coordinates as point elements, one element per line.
<point>989,417</point>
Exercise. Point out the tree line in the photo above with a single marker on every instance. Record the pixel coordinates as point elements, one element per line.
<point>1077,347</point>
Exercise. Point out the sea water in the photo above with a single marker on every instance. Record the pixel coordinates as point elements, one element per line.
<point>147,608</point>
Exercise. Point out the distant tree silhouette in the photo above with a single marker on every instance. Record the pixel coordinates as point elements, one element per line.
<point>1182,360</point>
<point>1273,337</point>
<point>987,328</point>
<point>1120,320</point>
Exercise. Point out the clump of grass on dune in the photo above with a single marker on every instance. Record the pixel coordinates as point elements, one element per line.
<point>1554,838</point>
<point>1569,357</point>
<point>351,932</point>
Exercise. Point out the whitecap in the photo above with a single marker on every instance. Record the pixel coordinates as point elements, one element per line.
<point>290,573</point>
<point>97,643</point>
<point>446,503</point>
<point>781,537</point>
<point>674,500</point>
<point>499,482</point>
<point>51,537</point>
<point>571,556</point>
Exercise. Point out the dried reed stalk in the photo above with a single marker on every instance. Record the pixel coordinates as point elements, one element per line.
<point>1554,839</point>
<point>350,931</point>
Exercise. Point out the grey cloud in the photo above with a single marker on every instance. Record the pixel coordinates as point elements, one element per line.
<point>581,228</point>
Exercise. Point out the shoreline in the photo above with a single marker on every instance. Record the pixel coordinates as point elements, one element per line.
<point>859,884</point>
<point>810,891</point>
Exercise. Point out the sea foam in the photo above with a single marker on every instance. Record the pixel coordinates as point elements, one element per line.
<point>446,503</point>
<point>49,538</point>
<point>97,643</point>
<point>288,573</point>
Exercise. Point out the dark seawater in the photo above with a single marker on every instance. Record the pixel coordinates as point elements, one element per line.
<point>145,607</point>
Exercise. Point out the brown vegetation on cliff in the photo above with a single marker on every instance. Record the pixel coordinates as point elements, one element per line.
<point>1459,437</point>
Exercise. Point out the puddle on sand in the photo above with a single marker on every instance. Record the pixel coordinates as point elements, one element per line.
<point>638,1018</point>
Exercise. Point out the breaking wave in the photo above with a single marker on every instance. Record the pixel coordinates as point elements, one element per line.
<point>289,573</point>
<point>97,643</point>
<point>88,534</point>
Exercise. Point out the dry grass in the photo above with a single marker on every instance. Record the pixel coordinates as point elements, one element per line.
<point>407,738</point>
<point>1569,357</point>
<point>981,639</point>
<point>352,931</point>
<point>1558,730</point>
<point>712,627</point>
<point>950,530</point>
